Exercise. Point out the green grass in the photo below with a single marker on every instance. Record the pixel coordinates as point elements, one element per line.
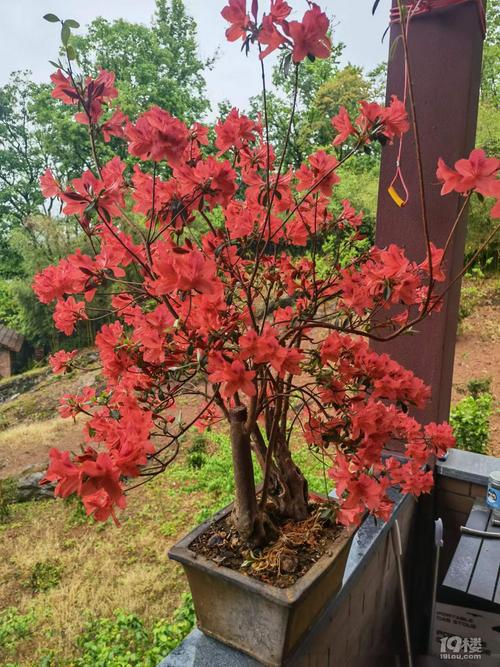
<point>81,594</point>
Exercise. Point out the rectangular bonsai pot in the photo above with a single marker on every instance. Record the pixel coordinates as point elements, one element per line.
<point>261,620</point>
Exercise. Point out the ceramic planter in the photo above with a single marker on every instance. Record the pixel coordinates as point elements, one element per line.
<point>261,620</point>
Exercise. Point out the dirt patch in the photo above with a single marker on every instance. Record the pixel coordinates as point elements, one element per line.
<point>25,448</point>
<point>281,564</point>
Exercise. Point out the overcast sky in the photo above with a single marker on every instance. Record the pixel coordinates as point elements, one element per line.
<point>28,42</point>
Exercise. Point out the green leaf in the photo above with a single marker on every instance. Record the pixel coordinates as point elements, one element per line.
<point>65,34</point>
<point>51,18</point>
<point>72,23</point>
<point>70,50</point>
<point>54,64</point>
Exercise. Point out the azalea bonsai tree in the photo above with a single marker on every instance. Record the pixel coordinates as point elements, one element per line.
<point>209,247</point>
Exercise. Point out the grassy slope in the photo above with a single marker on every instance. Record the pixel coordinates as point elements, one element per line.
<point>101,568</point>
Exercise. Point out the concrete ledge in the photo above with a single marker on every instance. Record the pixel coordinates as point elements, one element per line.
<point>468,466</point>
<point>198,650</point>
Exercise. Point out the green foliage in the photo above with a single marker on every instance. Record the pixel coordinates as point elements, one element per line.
<point>44,576</point>
<point>470,297</point>
<point>213,478</point>
<point>478,386</point>
<point>345,88</point>
<point>311,76</point>
<point>125,641</point>
<point>490,79</point>
<point>196,453</point>
<point>7,497</point>
<point>14,627</point>
<point>157,64</point>
<point>476,291</point>
<point>488,137</point>
<point>470,419</point>
<point>9,308</point>
<point>153,65</point>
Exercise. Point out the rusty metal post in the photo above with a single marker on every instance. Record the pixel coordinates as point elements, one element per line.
<point>445,50</point>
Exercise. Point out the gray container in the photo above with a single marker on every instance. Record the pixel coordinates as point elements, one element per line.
<point>263,621</point>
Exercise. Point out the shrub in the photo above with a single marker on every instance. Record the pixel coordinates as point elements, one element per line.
<point>236,314</point>
<point>196,454</point>
<point>44,576</point>
<point>478,386</point>
<point>470,421</point>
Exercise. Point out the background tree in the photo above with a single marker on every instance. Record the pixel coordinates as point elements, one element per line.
<point>488,137</point>
<point>154,65</point>
<point>157,64</point>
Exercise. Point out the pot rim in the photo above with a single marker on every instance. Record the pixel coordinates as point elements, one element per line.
<point>286,597</point>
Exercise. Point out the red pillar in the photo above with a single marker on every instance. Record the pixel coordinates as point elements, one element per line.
<point>445,50</point>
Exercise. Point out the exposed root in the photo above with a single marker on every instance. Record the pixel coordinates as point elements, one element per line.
<point>281,556</point>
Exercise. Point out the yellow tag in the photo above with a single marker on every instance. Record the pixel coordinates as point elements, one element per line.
<point>395,197</point>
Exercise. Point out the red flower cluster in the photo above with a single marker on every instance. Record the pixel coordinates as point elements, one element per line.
<point>217,293</point>
<point>157,136</point>
<point>96,476</point>
<point>374,121</point>
<point>92,97</point>
<point>478,173</point>
<point>307,38</point>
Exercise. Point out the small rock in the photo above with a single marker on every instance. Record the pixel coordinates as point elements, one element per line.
<point>215,541</point>
<point>29,488</point>
<point>288,563</point>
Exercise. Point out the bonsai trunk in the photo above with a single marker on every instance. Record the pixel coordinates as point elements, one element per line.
<point>253,526</point>
<point>285,487</point>
<point>293,494</point>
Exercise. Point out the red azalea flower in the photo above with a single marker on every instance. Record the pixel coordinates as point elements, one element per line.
<point>114,126</point>
<point>269,36</point>
<point>310,38</point>
<point>60,361</point>
<point>63,88</point>
<point>394,118</point>
<point>280,10</point>
<point>234,377</point>
<point>478,172</point>
<point>67,313</point>
<point>236,14</point>
<point>157,136</point>
<point>342,123</point>
<point>63,471</point>
<point>48,184</point>
<point>321,174</point>
<point>236,131</point>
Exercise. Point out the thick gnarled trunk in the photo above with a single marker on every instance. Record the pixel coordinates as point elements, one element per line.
<point>293,493</point>
<point>286,494</point>
<point>253,525</point>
